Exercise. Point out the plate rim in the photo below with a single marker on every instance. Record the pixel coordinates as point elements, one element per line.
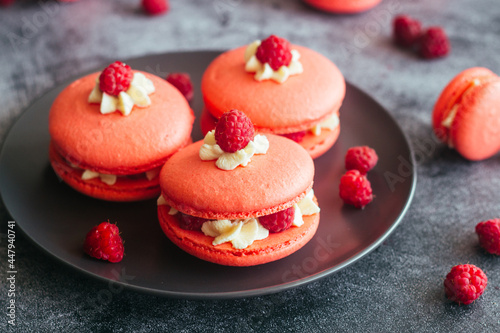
<point>226,294</point>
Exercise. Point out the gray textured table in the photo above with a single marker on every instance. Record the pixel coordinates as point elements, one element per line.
<point>397,287</point>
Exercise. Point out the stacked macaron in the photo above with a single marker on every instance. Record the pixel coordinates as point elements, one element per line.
<point>112,131</point>
<point>239,199</point>
<point>467,114</point>
<point>284,89</point>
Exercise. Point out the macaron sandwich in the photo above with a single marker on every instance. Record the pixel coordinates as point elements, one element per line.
<point>238,198</point>
<point>344,6</point>
<point>284,89</point>
<point>466,115</point>
<point>112,131</point>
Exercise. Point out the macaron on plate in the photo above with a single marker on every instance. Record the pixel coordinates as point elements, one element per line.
<point>57,218</point>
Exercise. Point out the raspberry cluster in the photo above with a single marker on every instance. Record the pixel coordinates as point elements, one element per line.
<point>465,283</point>
<point>182,81</point>
<point>429,43</point>
<point>115,78</point>
<point>275,51</point>
<point>155,7</point>
<point>279,221</point>
<point>234,131</point>
<point>355,188</point>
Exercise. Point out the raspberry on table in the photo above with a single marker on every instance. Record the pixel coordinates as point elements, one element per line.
<point>189,222</point>
<point>361,158</point>
<point>104,242</point>
<point>234,131</point>
<point>183,83</point>
<point>296,136</point>
<point>465,283</point>
<point>279,221</point>
<point>489,235</point>
<point>115,78</point>
<point>406,30</point>
<point>275,51</point>
<point>355,189</point>
<point>434,43</point>
<point>155,7</point>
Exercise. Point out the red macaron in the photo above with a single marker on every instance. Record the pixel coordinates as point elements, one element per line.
<point>271,183</point>
<point>466,115</point>
<point>343,6</point>
<point>114,156</point>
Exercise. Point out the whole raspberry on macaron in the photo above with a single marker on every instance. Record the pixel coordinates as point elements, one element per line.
<point>296,136</point>
<point>155,7</point>
<point>275,51</point>
<point>355,189</point>
<point>406,30</point>
<point>465,283</point>
<point>234,131</point>
<point>279,221</point>
<point>189,222</point>
<point>104,242</point>
<point>433,43</point>
<point>361,158</point>
<point>489,235</point>
<point>183,83</point>
<point>115,78</point>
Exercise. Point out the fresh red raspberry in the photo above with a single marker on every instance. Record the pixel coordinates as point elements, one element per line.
<point>297,136</point>
<point>234,131</point>
<point>361,158</point>
<point>183,83</point>
<point>104,242</point>
<point>189,222</point>
<point>465,283</point>
<point>406,30</point>
<point>489,235</point>
<point>5,3</point>
<point>434,43</point>
<point>155,7</point>
<point>355,189</point>
<point>115,78</point>
<point>279,221</point>
<point>275,51</point>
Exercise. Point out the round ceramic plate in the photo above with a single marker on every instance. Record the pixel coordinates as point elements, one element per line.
<point>57,218</point>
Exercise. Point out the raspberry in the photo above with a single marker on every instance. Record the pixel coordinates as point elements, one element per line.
<point>275,51</point>
<point>115,78</point>
<point>355,189</point>
<point>361,158</point>
<point>234,131</point>
<point>155,7</point>
<point>189,222</point>
<point>489,235</point>
<point>465,283</point>
<point>104,242</point>
<point>279,221</point>
<point>434,43</point>
<point>297,136</point>
<point>406,30</point>
<point>183,83</point>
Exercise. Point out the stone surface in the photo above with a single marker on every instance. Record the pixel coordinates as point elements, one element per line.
<point>398,287</point>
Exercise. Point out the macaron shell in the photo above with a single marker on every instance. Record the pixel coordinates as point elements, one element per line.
<point>343,6</point>
<point>117,144</point>
<point>269,183</point>
<point>295,105</point>
<point>124,189</point>
<point>315,145</point>
<point>450,95</point>
<point>475,131</point>
<point>274,247</point>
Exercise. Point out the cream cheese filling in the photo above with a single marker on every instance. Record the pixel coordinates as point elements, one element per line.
<point>111,179</point>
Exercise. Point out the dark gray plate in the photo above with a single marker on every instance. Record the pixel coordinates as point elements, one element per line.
<point>57,218</point>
